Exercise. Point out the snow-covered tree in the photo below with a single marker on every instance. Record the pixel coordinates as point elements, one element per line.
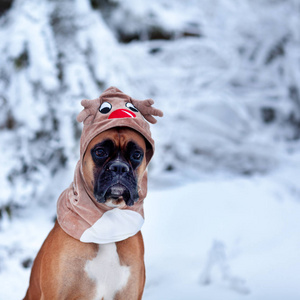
<point>226,73</point>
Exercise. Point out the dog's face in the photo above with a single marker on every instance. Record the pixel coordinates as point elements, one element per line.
<point>113,165</point>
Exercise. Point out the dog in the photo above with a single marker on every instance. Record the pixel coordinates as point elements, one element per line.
<point>66,268</point>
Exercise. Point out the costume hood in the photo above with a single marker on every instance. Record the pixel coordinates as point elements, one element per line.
<point>78,213</point>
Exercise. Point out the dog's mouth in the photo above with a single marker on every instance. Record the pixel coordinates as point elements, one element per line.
<point>117,195</point>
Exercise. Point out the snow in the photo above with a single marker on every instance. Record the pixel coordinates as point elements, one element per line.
<point>227,238</point>
<point>222,214</point>
<point>222,65</point>
<point>240,236</point>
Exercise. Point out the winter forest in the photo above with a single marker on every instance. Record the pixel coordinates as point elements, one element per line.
<point>223,206</point>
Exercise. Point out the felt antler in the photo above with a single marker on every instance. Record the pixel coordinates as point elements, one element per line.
<point>146,109</point>
<point>87,115</point>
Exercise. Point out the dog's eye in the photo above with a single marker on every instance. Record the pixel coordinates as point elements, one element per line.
<point>131,106</point>
<point>105,107</point>
<point>100,153</point>
<point>137,155</point>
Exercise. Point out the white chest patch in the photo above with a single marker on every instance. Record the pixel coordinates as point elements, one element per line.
<point>105,269</point>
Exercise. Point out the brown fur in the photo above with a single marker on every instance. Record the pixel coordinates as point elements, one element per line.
<point>58,270</point>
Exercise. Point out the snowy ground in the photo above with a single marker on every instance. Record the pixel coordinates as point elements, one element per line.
<point>227,238</point>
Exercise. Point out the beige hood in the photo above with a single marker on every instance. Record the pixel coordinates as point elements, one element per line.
<point>78,213</point>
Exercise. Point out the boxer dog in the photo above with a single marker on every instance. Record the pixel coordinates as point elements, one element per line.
<point>96,249</point>
<point>66,268</point>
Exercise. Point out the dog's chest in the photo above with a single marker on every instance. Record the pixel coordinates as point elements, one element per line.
<point>105,269</point>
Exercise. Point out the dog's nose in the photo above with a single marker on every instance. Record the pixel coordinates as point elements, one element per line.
<point>118,167</point>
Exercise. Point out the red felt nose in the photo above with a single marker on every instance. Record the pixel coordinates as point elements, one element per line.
<point>121,113</point>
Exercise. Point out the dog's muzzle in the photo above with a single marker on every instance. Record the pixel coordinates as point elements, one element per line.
<point>117,192</point>
<point>117,183</point>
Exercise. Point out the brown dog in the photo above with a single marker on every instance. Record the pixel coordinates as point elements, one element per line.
<point>66,268</point>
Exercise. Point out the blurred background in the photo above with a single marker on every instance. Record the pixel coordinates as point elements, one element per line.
<point>224,203</point>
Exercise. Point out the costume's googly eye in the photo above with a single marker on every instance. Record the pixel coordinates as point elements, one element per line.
<point>105,107</point>
<point>131,106</point>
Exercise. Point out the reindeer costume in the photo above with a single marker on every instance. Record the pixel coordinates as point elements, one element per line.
<point>79,214</point>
